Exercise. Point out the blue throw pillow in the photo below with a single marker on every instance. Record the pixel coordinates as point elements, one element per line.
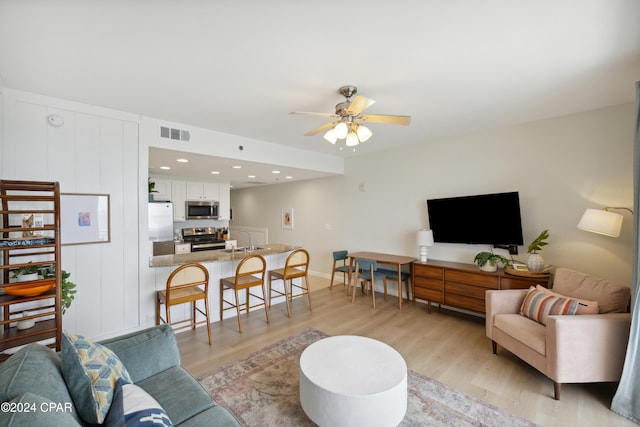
<point>134,407</point>
<point>91,371</point>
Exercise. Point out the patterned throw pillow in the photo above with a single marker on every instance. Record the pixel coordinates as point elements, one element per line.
<point>584,306</point>
<point>538,305</point>
<point>134,407</point>
<point>90,371</point>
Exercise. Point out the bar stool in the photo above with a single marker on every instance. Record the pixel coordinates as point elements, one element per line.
<point>249,273</point>
<point>296,266</point>
<point>183,286</point>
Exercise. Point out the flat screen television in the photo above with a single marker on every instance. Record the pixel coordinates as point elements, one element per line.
<point>480,219</point>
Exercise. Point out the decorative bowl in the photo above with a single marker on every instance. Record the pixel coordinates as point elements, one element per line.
<point>30,289</point>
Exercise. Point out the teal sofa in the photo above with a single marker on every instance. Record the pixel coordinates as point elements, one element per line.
<point>34,392</point>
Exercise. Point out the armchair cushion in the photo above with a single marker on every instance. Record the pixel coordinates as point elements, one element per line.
<point>611,297</point>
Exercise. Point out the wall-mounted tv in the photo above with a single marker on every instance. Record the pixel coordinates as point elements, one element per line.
<point>485,218</point>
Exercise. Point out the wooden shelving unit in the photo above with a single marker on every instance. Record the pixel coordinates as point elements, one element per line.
<point>30,243</point>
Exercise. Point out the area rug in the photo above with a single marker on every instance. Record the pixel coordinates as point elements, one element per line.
<point>262,390</point>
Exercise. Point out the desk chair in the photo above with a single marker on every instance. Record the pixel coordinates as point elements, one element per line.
<point>365,272</point>
<point>183,286</point>
<point>344,268</point>
<point>249,273</point>
<point>296,266</point>
<point>392,275</point>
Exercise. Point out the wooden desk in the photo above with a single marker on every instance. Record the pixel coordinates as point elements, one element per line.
<point>396,260</point>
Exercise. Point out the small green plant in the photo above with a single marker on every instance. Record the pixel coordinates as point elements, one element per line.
<point>27,269</point>
<point>68,288</point>
<point>152,186</point>
<point>482,258</point>
<point>539,242</point>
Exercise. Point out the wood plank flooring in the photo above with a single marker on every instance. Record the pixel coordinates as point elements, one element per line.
<point>444,345</point>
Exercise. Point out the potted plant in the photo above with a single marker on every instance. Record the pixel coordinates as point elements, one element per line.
<point>535,263</point>
<point>68,288</point>
<point>488,261</point>
<point>152,189</point>
<point>26,273</point>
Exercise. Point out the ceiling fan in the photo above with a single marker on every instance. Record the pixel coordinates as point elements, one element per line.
<point>348,119</point>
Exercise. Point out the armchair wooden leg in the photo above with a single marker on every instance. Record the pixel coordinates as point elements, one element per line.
<point>556,390</point>
<point>494,347</point>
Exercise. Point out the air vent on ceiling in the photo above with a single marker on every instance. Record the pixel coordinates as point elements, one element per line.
<point>175,134</point>
<point>255,182</point>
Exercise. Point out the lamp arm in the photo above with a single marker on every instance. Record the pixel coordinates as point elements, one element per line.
<point>617,207</point>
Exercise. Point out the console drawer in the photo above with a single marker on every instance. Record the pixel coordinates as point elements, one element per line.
<point>475,279</point>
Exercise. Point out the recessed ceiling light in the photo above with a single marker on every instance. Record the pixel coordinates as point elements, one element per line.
<point>182,160</point>
<point>288,177</point>
<point>165,167</point>
<point>251,176</point>
<point>215,172</point>
<point>237,167</point>
<point>275,171</point>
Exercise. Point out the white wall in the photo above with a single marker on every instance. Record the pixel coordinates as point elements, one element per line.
<point>560,167</point>
<point>95,151</point>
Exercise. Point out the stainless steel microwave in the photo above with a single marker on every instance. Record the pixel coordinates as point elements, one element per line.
<point>201,209</point>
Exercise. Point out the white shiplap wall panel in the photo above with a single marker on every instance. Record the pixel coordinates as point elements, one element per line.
<point>130,194</point>
<point>61,144</point>
<point>87,148</point>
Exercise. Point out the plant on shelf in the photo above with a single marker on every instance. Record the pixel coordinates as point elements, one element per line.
<point>488,261</point>
<point>68,288</point>
<point>535,263</point>
<point>27,272</point>
<point>152,188</point>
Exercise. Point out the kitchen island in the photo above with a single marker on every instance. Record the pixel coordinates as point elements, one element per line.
<point>219,255</point>
<point>220,263</point>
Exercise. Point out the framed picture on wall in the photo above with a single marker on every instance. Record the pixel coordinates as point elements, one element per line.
<point>84,218</point>
<point>287,218</point>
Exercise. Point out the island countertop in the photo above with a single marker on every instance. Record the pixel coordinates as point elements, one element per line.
<point>218,255</point>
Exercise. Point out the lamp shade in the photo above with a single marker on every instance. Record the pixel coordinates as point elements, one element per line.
<point>352,139</point>
<point>601,222</point>
<point>341,130</point>
<point>331,136</point>
<point>424,237</point>
<point>363,133</point>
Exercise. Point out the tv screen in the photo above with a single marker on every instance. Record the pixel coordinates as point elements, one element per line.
<point>486,218</point>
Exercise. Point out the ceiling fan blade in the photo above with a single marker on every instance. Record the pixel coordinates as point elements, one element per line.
<point>359,104</point>
<point>314,114</point>
<point>320,129</point>
<point>387,119</point>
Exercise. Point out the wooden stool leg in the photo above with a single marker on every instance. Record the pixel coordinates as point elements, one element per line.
<point>235,291</point>
<point>157,309</point>
<point>306,281</point>
<point>206,310</point>
<point>264,295</point>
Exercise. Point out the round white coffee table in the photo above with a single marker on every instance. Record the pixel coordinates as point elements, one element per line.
<point>353,381</point>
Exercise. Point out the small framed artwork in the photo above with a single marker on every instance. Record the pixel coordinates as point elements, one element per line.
<point>287,218</point>
<point>84,218</point>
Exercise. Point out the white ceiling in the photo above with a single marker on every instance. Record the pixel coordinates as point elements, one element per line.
<point>240,67</point>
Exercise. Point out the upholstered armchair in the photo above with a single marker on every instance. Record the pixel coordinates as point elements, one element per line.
<point>553,331</point>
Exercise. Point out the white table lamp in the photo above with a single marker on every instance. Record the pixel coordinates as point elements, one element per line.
<point>424,239</point>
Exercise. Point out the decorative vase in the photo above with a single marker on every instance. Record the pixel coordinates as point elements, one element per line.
<point>535,263</point>
<point>26,323</point>
<point>488,267</point>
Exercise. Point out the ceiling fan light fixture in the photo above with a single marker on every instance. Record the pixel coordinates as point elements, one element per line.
<point>341,130</point>
<point>330,136</point>
<point>352,139</point>
<point>363,133</point>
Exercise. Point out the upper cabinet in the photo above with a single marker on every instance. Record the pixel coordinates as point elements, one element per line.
<point>163,188</point>
<point>179,191</point>
<point>203,191</point>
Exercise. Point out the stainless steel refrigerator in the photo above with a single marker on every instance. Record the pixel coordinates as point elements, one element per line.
<point>161,227</point>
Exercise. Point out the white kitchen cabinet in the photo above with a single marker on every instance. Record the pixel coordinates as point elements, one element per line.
<point>179,197</point>
<point>224,207</point>
<point>163,188</point>
<point>203,191</point>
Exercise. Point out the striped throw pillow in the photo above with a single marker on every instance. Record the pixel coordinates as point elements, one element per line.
<point>539,305</point>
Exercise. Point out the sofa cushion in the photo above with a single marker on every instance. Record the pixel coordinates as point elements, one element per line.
<point>611,297</point>
<point>90,371</point>
<point>37,411</point>
<point>178,393</point>
<point>34,367</point>
<point>159,341</point>
<point>528,332</point>
<point>538,305</point>
<point>584,306</point>
<point>134,407</point>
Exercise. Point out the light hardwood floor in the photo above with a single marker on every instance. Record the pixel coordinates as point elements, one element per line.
<point>444,345</point>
